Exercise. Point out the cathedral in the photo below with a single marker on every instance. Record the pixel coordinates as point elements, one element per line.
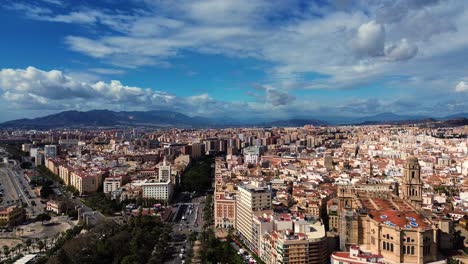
<point>378,219</point>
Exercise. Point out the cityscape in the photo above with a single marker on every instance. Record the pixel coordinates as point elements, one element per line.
<point>234,132</point>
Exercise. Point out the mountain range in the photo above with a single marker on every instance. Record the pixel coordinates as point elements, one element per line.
<point>157,118</point>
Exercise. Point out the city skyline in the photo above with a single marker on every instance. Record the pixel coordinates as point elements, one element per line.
<point>223,58</point>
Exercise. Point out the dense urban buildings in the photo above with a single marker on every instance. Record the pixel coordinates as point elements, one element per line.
<point>350,194</point>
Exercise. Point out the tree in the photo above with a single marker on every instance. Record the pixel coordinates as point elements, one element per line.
<point>26,165</point>
<point>6,251</point>
<point>130,259</point>
<point>46,191</point>
<point>43,217</point>
<point>40,245</point>
<point>19,247</point>
<point>28,244</point>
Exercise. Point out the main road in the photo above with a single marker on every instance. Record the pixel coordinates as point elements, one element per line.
<point>181,229</point>
<point>17,189</point>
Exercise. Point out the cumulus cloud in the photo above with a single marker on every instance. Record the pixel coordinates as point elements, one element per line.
<point>272,95</point>
<point>349,44</point>
<point>461,87</point>
<point>403,50</point>
<point>54,87</point>
<point>370,39</point>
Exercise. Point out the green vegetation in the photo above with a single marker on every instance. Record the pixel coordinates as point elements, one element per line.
<point>42,217</point>
<point>215,251</point>
<point>46,191</point>
<point>199,177</point>
<point>448,190</point>
<point>208,211</point>
<point>72,189</point>
<point>45,172</point>
<point>103,203</point>
<point>143,240</point>
<point>14,151</point>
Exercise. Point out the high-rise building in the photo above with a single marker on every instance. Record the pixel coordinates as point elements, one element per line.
<point>197,150</point>
<point>50,151</point>
<point>164,174</point>
<point>251,197</point>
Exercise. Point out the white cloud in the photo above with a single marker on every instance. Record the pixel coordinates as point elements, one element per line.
<point>402,50</point>
<point>350,45</point>
<point>370,39</point>
<point>461,87</point>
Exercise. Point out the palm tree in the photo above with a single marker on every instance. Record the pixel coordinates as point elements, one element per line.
<point>40,245</point>
<point>19,246</point>
<point>28,244</point>
<point>6,251</point>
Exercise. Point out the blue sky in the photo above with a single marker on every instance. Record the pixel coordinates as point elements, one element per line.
<point>243,58</point>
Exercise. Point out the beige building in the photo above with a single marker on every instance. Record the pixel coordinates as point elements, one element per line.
<point>64,173</point>
<point>85,182</point>
<point>250,198</point>
<point>111,184</point>
<point>305,244</point>
<point>224,210</point>
<point>11,216</point>
<point>385,224</point>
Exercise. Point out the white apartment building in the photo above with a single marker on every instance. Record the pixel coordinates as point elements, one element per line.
<point>158,190</point>
<point>250,197</point>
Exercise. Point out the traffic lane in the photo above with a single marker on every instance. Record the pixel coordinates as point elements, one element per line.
<point>25,190</point>
<point>9,192</point>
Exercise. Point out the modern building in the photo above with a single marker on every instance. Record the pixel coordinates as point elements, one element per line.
<point>164,174</point>
<point>197,150</point>
<point>50,151</point>
<point>154,189</point>
<point>85,182</point>
<point>252,154</point>
<point>252,197</point>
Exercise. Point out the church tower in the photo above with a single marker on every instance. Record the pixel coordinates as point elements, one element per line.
<point>412,185</point>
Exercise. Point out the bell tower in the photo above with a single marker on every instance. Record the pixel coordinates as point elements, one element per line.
<point>412,185</point>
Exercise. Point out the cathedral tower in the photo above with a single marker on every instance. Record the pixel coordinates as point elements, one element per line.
<point>412,185</point>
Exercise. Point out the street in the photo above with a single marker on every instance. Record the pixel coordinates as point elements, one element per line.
<point>187,219</point>
<point>16,189</point>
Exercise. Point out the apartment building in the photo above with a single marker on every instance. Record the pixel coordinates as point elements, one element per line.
<point>251,197</point>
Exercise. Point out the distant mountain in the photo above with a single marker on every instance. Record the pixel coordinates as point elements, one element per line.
<point>455,116</point>
<point>105,118</point>
<point>387,118</point>
<point>157,118</point>
<point>294,123</point>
